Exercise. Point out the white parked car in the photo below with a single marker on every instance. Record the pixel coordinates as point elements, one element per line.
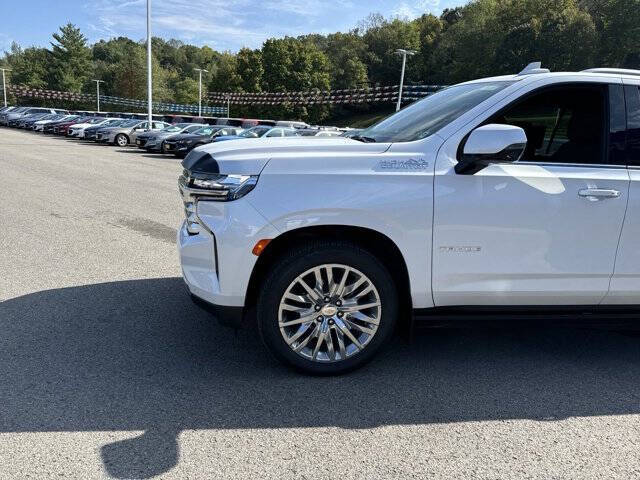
<point>39,125</point>
<point>510,196</point>
<point>77,130</point>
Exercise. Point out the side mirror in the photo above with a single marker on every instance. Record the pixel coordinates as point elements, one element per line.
<point>492,143</point>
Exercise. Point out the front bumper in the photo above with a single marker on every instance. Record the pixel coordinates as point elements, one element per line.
<point>217,262</point>
<point>176,148</point>
<point>103,138</point>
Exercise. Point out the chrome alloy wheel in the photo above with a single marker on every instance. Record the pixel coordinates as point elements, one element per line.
<point>122,141</point>
<point>329,313</point>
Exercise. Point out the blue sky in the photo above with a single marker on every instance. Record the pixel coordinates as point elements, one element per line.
<point>221,24</point>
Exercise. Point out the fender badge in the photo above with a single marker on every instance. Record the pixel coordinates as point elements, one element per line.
<point>460,249</point>
<point>412,164</point>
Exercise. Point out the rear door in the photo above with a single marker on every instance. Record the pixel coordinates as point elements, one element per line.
<point>625,284</point>
<point>543,230</point>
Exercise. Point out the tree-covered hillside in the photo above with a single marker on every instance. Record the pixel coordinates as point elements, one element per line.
<point>485,37</point>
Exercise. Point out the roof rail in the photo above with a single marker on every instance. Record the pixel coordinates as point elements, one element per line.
<point>534,68</point>
<point>614,71</point>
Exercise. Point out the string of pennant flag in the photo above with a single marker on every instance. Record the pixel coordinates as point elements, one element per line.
<point>28,92</point>
<point>350,96</point>
<point>331,97</point>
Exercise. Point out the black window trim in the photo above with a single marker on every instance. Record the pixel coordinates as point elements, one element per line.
<point>607,124</point>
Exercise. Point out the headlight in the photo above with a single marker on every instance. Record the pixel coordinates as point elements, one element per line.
<point>196,187</point>
<point>220,187</point>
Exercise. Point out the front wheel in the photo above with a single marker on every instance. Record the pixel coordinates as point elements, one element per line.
<point>122,140</point>
<point>327,307</point>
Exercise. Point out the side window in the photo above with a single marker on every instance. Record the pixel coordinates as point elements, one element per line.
<point>158,125</point>
<point>632,97</point>
<point>276,132</point>
<point>563,124</point>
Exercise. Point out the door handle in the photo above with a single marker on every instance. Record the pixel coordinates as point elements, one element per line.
<point>599,193</point>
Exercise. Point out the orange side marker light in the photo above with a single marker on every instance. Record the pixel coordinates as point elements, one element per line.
<point>260,246</point>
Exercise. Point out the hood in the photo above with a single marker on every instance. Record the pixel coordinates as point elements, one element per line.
<point>184,136</point>
<point>156,135</point>
<point>249,156</point>
<point>224,138</point>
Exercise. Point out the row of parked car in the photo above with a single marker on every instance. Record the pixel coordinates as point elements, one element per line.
<point>160,136</point>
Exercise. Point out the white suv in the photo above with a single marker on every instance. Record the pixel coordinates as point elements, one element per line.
<point>508,195</point>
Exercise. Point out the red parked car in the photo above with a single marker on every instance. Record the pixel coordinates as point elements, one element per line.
<point>63,128</point>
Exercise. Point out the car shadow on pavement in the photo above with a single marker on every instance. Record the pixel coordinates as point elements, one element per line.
<point>142,153</point>
<point>139,356</point>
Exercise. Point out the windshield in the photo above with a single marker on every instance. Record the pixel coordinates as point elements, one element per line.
<point>173,128</point>
<point>129,123</point>
<point>427,116</point>
<point>206,130</point>
<point>255,132</point>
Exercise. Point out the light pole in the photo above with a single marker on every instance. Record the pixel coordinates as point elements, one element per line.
<point>404,53</point>
<point>4,85</point>
<point>200,70</point>
<point>149,75</point>
<point>98,82</point>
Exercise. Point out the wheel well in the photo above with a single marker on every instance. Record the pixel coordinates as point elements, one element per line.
<point>375,242</point>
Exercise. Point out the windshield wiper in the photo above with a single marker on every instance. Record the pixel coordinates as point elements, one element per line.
<point>360,138</point>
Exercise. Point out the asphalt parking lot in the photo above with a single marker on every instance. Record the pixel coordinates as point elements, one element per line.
<point>108,370</point>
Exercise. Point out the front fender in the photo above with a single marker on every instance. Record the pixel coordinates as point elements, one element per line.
<point>356,191</point>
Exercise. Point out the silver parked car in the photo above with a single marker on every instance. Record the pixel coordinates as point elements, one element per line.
<point>126,133</point>
<point>18,113</point>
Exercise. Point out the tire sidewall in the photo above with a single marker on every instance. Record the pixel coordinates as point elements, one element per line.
<point>285,273</point>
<point>120,136</point>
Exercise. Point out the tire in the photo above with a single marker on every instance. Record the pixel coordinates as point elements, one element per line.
<point>121,140</point>
<point>330,312</point>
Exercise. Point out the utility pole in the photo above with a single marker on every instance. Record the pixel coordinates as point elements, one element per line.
<point>404,53</point>
<point>98,82</point>
<point>200,70</point>
<point>228,107</point>
<point>4,85</point>
<point>149,74</point>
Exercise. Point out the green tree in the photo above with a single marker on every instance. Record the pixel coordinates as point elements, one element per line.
<point>29,66</point>
<point>618,25</point>
<point>187,91</point>
<point>346,53</point>
<point>130,75</point>
<point>382,40</point>
<point>293,65</point>
<point>502,36</point>
<point>250,70</point>
<point>225,76</point>
<point>71,59</point>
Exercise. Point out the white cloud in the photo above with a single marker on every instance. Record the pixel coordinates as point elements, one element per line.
<point>232,24</point>
<point>414,9</point>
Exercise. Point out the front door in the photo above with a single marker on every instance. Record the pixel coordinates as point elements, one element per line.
<point>543,230</point>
